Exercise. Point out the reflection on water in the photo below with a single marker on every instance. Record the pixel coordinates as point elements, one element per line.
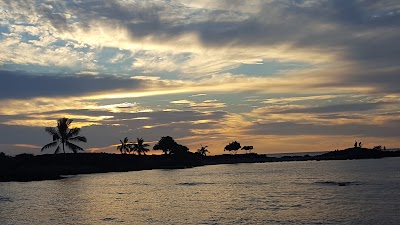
<point>325,192</point>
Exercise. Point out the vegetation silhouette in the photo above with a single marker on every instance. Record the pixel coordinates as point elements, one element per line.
<point>203,150</point>
<point>180,149</point>
<point>233,146</point>
<point>165,144</point>
<point>248,148</point>
<point>169,146</point>
<point>125,146</point>
<point>63,135</point>
<point>28,167</point>
<point>379,147</point>
<point>140,147</point>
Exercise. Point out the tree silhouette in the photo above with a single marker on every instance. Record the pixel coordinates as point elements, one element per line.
<point>169,146</point>
<point>203,150</point>
<point>63,135</point>
<point>233,146</point>
<point>248,148</point>
<point>125,146</point>
<point>180,149</point>
<point>165,144</point>
<point>140,147</point>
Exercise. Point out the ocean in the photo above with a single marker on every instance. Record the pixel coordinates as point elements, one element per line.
<point>310,192</point>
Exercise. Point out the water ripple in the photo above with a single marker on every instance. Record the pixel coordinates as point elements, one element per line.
<point>193,183</point>
<point>337,183</point>
<point>111,219</point>
<point>5,199</point>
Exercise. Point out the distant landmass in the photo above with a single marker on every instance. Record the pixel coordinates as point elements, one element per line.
<point>26,167</point>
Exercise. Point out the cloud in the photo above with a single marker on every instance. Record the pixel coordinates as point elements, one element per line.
<point>204,104</point>
<point>198,95</point>
<point>335,108</point>
<point>288,100</point>
<point>181,102</point>
<point>14,84</point>
<point>293,129</point>
<point>217,36</point>
<point>27,146</point>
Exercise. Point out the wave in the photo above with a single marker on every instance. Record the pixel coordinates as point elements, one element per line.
<point>193,183</point>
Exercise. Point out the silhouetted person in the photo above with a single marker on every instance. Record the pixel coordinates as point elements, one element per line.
<point>355,144</point>
<point>384,148</point>
<point>359,144</point>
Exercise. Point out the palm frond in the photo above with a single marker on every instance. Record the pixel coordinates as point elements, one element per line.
<point>50,145</point>
<point>73,132</point>
<point>79,138</point>
<point>57,150</point>
<point>128,146</point>
<point>119,147</point>
<point>69,121</point>
<point>73,147</point>
<point>65,121</point>
<point>56,137</point>
<point>62,126</point>
<point>53,131</point>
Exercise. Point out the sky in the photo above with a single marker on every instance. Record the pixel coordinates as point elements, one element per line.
<point>281,75</point>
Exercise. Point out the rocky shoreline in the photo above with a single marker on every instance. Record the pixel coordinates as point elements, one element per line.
<point>50,167</point>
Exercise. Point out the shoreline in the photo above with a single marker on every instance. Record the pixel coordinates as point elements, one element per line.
<point>25,168</point>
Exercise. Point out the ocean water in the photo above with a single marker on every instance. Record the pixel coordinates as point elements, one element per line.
<point>313,192</point>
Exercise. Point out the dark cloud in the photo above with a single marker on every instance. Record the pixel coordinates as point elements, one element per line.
<point>329,110</point>
<point>11,134</point>
<point>384,81</point>
<point>334,116</point>
<point>24,85</point>
<point>355,107</point>
<point>130,119</point>
<point>291,128</point>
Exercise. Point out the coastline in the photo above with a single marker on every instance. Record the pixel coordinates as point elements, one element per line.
<point>24,168</point>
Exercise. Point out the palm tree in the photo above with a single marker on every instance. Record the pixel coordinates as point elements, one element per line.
<point>140,147</point>
<point>125,146</point>
<point>63,135</point>
<point>203,150</point>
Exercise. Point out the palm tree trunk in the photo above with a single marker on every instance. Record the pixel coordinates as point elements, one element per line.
<point>63,148</point>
